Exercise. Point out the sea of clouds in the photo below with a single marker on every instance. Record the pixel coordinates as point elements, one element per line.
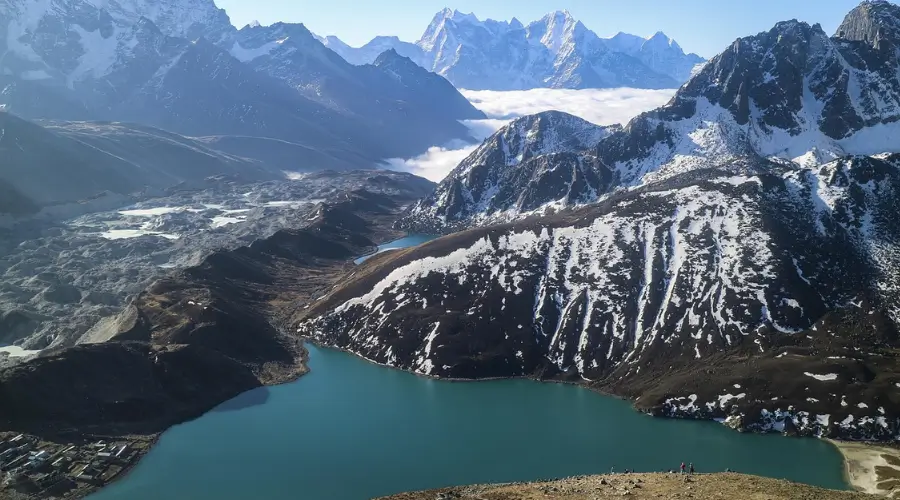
<point>603,107</point>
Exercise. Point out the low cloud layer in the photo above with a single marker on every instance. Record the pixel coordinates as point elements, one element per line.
<point>603,107</point>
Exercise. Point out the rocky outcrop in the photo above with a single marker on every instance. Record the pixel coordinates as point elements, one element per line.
<point>872,22</point>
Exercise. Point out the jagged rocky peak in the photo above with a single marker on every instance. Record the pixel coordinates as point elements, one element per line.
<point>399,66</point>
<point>391,56</point>
<point>180,18</point>
<point>532,162</point>
<point>872,21</point>
<point>558,31</point>
<point>555,51</point>
<point>660,39</point>
<point>795,78</point>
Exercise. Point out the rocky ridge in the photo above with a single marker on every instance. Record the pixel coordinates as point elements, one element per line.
<point>517,170</point>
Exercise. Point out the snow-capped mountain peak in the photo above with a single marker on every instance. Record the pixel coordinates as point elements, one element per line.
<point>555,51</point>
<point>460,17</point>
<point>557,31</point>
<point>180,18</point>
<point>661,40</point>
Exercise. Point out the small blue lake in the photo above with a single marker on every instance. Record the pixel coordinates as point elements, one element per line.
<point>409,241</point>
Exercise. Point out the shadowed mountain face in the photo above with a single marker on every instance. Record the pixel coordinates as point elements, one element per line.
<point>736,259</point>
<point>70,162</point>
<point>181,66</point>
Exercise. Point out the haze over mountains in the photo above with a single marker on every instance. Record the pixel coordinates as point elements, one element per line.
<point>271,94</point>
<point>556,51</point>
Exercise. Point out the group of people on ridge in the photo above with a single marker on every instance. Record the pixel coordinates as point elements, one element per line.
<point>684,471</point>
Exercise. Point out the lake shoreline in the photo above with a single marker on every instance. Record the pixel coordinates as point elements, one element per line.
<point>870,467</point>
<point>304,368</point>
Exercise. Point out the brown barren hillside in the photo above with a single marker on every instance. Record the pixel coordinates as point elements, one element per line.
<point>697,487</point>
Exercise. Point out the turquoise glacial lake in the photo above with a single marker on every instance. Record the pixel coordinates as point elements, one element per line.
<point>409,241</point>
<point>352,430</point>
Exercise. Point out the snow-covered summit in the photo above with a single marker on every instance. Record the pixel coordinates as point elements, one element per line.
<point>533,161</point>
<point>554,51</point>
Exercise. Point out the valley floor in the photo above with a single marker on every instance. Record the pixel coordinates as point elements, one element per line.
<point>698,487</point>
<point>871,468</point>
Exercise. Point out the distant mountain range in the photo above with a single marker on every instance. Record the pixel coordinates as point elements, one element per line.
<point>556,51</point>
<point>180,65</point>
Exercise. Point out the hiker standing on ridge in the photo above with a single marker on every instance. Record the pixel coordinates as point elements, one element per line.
<point>682,467</point>
<point>692,468</point>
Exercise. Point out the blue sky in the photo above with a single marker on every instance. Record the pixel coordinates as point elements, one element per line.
<point>701,26</point>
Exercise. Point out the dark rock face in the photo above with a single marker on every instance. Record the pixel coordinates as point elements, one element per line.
<point>16,324</point>
<point>872,21</point>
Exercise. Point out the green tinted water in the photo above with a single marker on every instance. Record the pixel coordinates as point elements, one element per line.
<point>353,430</point>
